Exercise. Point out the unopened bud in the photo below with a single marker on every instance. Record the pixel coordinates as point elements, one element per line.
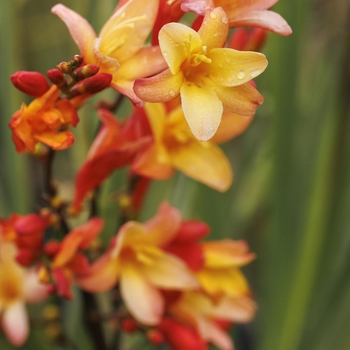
<point>85,72</point>
<point>129,325</point>
<point>76,61</point>
<point>25,257</point>
<point>257,40</point>
<point>155,336</point>
<point>31,83</point>
<point>245,40</point>
<point>56,77</point>
<point>52,248</point>
<point>92,85</point>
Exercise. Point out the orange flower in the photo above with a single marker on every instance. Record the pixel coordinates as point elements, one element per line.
<point>175,147</point>
<point>17,286</point>
<point>138,261</point>
<point>42,121</point>
<point>208,77</point>
<point>118,49</point>
<point>244,13</point>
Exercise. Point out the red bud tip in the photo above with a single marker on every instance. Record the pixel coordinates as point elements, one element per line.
<point>85,72</point>
<point>56,77</point>
<point>31,83</point>
<point>92,85</point>
<point>155,336</point>
<point>129,325</point>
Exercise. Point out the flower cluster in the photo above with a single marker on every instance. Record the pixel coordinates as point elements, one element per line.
<point>191,88</point>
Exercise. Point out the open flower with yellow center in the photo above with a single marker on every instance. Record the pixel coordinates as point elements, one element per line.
<point>252,13</point>
<point>17,286</point>
<point>44,120</point>
<point>208,77</point>
<point>118,49</point>
<point>137,260</point>
<point>175,147</point>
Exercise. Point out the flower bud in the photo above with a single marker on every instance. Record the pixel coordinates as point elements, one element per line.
<point>76,61</point>
<point>92,85</point>
<point>129,325</point>
<point>85,72</point>
<point>56,77</point>
<point>65,68</point>
<point>155,336</point>
<point>25,257</point>
<point>31,83</point>
<point>245,40</point>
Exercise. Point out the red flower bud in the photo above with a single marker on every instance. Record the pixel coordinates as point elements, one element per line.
<point>155,336</point>
<point>85,72</point>
<point>31,83</point>
<point>65,68</point>
<point>25,257</point>
<point>92,85</point>
<point>56,77</point>
<point>77,61</point>
<point>245,40</point>
<point>129,325</point>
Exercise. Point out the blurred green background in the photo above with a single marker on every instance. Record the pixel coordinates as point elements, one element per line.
<point>291,194</point>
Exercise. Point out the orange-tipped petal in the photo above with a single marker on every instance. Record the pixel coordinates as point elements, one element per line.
<point>79,28</point>
<point>231,67</point>
<point>202,109</point>
<point>242,99</point>
<point>162,87</point>
<point>206,163</point>
<point>57,141</point>
<point>144,301</point>
<point>268,20</point>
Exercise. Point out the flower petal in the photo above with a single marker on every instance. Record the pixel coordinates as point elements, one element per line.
<point>268,20</point>
<point>15,323</point>
<point>56,140</point>
<point>169,272</point>
<point>243,99</point>
<point>202,109</point>
<point>214,29</point>
<point>176,42</point>
<point>204,162</point>
<point>231,67</point>
<point>162,87</point>
<point>128,28</point>
<point>144,301</point>
<point>79,28</point>
<point>34,291</point>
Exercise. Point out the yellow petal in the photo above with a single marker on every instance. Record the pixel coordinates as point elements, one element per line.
<point>214,29</point>
<point>176,42</point>
<point>143,300</point>
<point>202,109</point>
<point>156,114</point>
<point>169,272</point>
<point>231,67</point>
<point>243,99</point>
<point>126,31</point>
<point>204,162</point>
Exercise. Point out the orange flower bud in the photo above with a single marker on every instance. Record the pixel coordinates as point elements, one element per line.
<point>85,72</point>
<point>92,85</point>
<point>31,83</point>
<point>56,77</point>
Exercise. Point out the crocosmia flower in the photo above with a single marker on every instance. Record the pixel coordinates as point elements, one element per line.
<point>44,120</point>
<point>208,77</point>
<point>252,13</point>
<point>175,147</point>
<point>137,259</point>
<point>118,49</point>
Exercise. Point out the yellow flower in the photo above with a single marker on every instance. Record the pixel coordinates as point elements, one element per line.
<point>118,49</point>
<point>208,77</point>
<point>175,147</point>
<point>137,260</point>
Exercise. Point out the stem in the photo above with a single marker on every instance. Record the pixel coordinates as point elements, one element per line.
<point>49,189</point>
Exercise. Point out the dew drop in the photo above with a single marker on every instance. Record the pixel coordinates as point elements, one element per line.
<point>213,14</point>
<point>165,54</point>
<point>172,93</point>
<point>254,73</point>
<point>224,19</point>
<point>241,75</point>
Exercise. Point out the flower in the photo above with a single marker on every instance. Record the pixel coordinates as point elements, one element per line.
<point>175,147</point>
<point>32,83</point>
<point>208,77</point>
<point>114,147</point>
<point>138,261</point>
<point>118,49</point>
<point>42,121</point>
<point>17,286</point>
<point>244,13</point>
<point>67,258</point>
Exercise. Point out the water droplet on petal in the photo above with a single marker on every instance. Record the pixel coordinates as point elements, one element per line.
<point>241,74</point>
<point>172,93</point>
<point>213,14</point>
<point>224,19</point>
<point>165,54</point>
